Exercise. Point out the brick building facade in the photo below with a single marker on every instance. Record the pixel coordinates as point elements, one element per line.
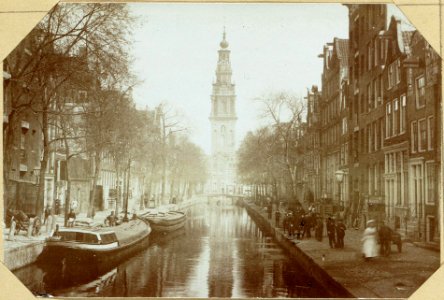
<point>380,125</point>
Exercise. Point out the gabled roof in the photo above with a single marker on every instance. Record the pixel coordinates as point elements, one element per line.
<point>341,48</point>
<point>407,40</point>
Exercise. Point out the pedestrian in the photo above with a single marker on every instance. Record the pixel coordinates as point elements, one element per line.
<point>385,238</point>
<point>291,224</point>
<point>74,205</point>
<point>111,219</point>
<point>71,218</point>
<point>300,226</point>
<point>277,216</point>
<point>340,233</point>
<point>286,223</point>
<point>331,232</point>
<point>270,209</point>
<point>305,222</point>
<point>47,213</point>
<point>369,247</point>
<point>309,224</point>
<point>57,206</point>
<point>319,229</point>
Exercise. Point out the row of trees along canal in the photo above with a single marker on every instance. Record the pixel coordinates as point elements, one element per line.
<point>269,157</point>
<point>85,48</point>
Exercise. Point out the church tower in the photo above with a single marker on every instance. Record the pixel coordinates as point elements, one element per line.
<point>223,126</point>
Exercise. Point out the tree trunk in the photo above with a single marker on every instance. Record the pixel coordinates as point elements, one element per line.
<point>162,193</point>
<point>68,188</point>
<point>8,148</point>
<point>97,162</point>
<point>43,165</point>
<point>67,196</point>
<point>185,186</point>
<point>127,187</point>
<point>117,189</point>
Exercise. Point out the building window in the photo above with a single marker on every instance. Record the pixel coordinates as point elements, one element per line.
<point>375,93</point>
<point>390,76</point>
<point>381,49</point>
<point>381,88</point>
<point>22,141</point>
<point>82,96</point>
<point>416,189</point>
<point>388,120</point>
<point>414,136</point>
<point>431,132</point>
<point>376,51</point>
<point>225,106</point>
<point>369,138</point>
<point>381,130</point>
<point>369,59</point>
<point>369,96</point>
<point>402,120</point>
<point>344,125</point>
<point>398,71</point>
<point>375,134</point>
<point>395,117</point>
<point>422,126</point>
<point>430,182</point>
<point>420,91</point>
<point>394,75</point>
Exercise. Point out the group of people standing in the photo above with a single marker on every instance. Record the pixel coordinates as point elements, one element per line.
<point>335,232</point>
<point>298,224</point>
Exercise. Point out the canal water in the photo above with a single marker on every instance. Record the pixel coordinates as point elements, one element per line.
<point>221,252</point>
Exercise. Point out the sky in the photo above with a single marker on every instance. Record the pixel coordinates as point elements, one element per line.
<point>274,48</point>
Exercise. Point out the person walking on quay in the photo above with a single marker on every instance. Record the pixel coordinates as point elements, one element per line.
<point>306,226</point>
<point>331,232</point>
<point>319,228</point>
<point>277,216</point>
<point>47,213</point>
<point>369,247</point>
<point>340,233</point>
<point>385,238</point>
<point>270,209</point>
<point>71,218</point>
<point>291,224</point>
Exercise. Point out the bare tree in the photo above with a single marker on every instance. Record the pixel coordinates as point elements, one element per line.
<point>51,56</point>
<point>284,113</point>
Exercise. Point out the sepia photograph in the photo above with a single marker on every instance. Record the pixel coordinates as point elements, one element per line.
<point>229,150</point>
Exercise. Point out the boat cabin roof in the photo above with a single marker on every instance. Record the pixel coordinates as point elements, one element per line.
<point>87,236</point>
<point>87,230</point>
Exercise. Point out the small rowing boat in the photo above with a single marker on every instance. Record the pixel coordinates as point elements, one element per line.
<point>165,221</point>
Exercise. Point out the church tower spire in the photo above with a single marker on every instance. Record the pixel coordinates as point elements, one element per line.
<point>223,124</point>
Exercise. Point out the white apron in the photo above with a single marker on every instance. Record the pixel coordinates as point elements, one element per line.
<point>369,246</point>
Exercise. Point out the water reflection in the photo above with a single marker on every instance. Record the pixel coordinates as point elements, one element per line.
<point>221,252</point>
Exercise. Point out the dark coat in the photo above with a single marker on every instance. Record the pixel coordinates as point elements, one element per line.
<point>385,233</point>
<point>340,228</point>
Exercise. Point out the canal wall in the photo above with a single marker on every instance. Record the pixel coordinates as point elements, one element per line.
<point>306,262</point>
<point>18,254</point>
<point>17,257</point>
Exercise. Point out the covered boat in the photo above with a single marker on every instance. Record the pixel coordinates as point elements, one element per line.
<point>165,221</point>
<point>97,245</point>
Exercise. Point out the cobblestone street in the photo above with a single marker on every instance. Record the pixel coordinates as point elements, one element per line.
<point>395,276</point>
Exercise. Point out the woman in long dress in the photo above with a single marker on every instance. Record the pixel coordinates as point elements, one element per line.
<point>369,246</point>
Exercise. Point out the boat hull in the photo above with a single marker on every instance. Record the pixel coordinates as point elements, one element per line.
<point>57,252</point>
<point>167,224</point>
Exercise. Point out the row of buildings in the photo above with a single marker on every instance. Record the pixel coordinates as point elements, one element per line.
<point>23,144</point>
<point>372,138</point>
